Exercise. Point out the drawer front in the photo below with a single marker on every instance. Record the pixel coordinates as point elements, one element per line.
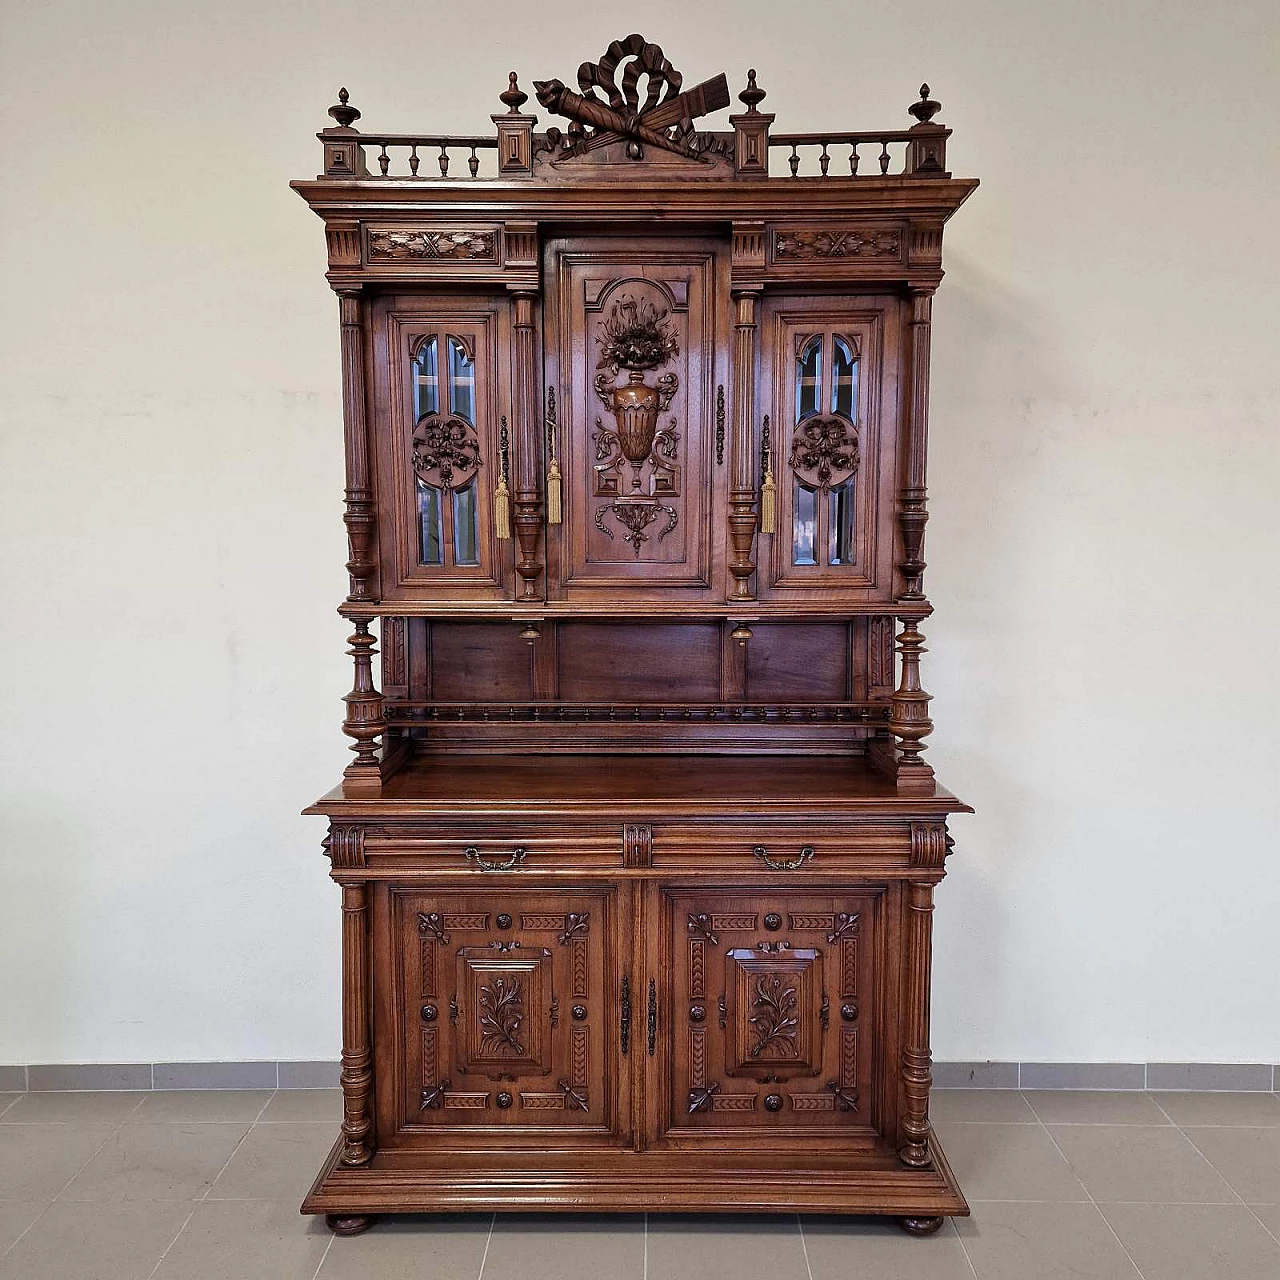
<point>483,849</point>
<point>782,847</point>
<point>506,1009</point>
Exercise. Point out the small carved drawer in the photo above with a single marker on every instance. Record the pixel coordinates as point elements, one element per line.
<point>772,1001</point>
<point>489,848</point>
<point>783,847</point>
<point>507,1009</point>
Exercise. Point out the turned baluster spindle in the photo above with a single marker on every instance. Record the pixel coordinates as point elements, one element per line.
<point>474,162</point>
<point>413,160</point>
<point>364,722</point>
<point>884,157</point>
<point>909,709</point>
<point>794,160</point>
<point>444,162</point>
<point>853,159</point>
<point>824,160</point>
<point>384,160</point>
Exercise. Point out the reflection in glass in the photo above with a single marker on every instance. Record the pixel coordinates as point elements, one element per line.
<point>429,523</point>
<point>809,378</point>
<point>844,383</point>
<point>426,398</point>
<point>465,541</point>
<point>806,522</point>
<point>462,382</point>
<point>840,512</point>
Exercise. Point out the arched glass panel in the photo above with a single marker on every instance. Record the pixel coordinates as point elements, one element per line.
<point>462,382</point>
<point>429,513</point>
<point>840,536</point>
<point>809,379</point>
<point>844,381</point>
<point>466,548</point>
<point>426,395</point>
<point>806,525</point>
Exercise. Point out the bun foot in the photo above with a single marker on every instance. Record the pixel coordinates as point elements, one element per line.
<point>920,1226</point>
<point>348,1224</point>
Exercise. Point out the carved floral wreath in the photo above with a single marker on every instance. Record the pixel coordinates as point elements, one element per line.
<point>826,447</point>
<point>448,447</point>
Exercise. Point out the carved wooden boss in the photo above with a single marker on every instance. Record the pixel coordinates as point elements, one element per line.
<point>637,847</point>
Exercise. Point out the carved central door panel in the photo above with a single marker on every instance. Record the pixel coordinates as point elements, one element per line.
<point>636,416</point>
<point>508,1015</point>
<point>770,1000</point>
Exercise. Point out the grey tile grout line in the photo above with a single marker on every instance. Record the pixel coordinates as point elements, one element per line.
<point>1253,1213</point>
<point>1092,1200</point>
<point>951,1225</point>
<point>324,1256</point>
<point>488,1240</point>
<point>804,1248</point>
<point>644,1271</point>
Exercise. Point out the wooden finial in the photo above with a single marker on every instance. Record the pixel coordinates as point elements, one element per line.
<point>514,97</point>
<point>342,112</point>
<point>926,108</point>
<point>752,95</point>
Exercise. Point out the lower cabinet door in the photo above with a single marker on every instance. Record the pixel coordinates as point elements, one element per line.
<point>507,1011</point>
<point>770,1013</point>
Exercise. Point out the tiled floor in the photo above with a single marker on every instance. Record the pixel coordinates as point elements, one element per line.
<point>205,1186</point>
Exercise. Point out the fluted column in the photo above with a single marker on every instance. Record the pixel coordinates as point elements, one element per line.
<point>529,447</point>
<point>359,517</point>
<point>357,1051</point>
<point>913,512</point>
<point>917,1079</point>
<point>742,493</point>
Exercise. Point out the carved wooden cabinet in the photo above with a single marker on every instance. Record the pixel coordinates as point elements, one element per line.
<point>637,846</point>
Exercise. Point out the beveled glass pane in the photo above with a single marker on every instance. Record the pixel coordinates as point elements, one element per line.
<point>426,395</point>
<point>462,382</point>
<point>429,514</point>
<point>809,378</point>
<point>844,382</point>
<point>466,539</point>
<point>806,521</point>
<point>840,548</point>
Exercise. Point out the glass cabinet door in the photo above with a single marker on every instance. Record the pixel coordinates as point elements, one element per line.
<point>829,444</point>
<point>443,454</point>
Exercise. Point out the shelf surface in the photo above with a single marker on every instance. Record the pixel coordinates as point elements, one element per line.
<point>639,786</point>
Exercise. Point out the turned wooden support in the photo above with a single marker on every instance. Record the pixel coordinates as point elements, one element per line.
<point>913,1147</point>
<point>357,1051</point>
<point>909,711</point>
<point>529,447</point>
<point>913,513</point>
<point>360,517</point>
<point>364,723</point>
<point>742,493</point>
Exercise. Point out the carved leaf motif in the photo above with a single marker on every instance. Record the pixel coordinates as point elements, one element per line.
<point>775,1021</point>
<point>804,245</point>
<point>445,451</point>
<point>408,245</point>
<point>635,335</point>
<point>501,1013</point>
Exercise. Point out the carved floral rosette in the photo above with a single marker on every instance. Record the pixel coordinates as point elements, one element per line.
<point>446,452</point>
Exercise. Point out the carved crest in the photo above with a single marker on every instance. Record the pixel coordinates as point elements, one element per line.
<point>609,108</point>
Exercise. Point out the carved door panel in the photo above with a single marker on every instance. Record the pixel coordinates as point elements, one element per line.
<point>509,1021</point>
<point>770,1003</point>
<point>635,357</point>
<point>440,379</point>
<point>830,388</point>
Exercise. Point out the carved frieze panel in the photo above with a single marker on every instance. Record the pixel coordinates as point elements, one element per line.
<point>412,245</point>
<point>861,242</point>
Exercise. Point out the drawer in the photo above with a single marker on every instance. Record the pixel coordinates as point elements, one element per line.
<point>783,847</point>
<point>494,848</point>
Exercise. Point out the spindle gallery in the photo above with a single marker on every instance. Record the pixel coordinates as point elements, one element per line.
<point>638,842</point>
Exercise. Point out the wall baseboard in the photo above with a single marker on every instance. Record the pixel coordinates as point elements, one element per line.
<point>1215,1077</point>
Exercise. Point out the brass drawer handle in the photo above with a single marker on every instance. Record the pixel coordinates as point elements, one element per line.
<point>806,854</point>
<point>472,854</point>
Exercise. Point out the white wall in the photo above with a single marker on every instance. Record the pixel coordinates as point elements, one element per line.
<point>1103,470</point>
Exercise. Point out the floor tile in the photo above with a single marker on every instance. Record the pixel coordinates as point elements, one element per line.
<point>725,1247</point>
<point>1042,1241</point>
<point>95,1242</point>
<point>1005,1105</point>
<point>1009,1162</point>
<point>156,1162</point>
<point>1249,1159</point>
<point>435,1247</point>
<point>313,1105</point>
<point>877,1249</point>
<point>247,1240</point>
<point>1148,1165</point>
<point>38,1160</point>
<point>16,1216</point>
<point>73,1108</point>
<point>1259,1110</point>
<point>1195,1242</point>
<point>1270,1215</point>
<point>7,1100</point>
<point>179,1105</point>
<point>569,1247</point>
<point>275,1162</point>
<point>1086,1106</point>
